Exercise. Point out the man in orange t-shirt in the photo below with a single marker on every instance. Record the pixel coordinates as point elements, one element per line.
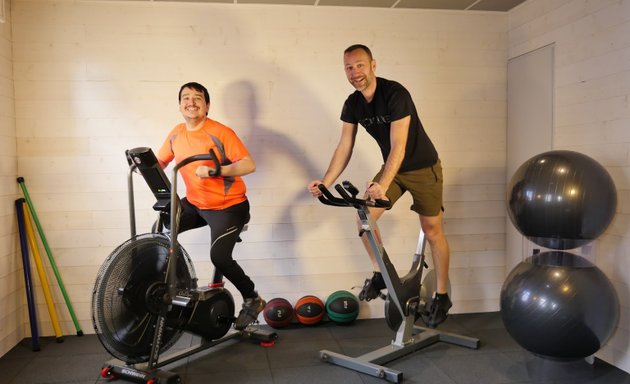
<point>215,196</point>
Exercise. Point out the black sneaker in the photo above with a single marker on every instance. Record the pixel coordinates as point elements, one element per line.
<point>438,312</point>
<point>372,287</point>
<point>251,308</point>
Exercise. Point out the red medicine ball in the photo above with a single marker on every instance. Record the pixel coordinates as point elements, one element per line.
<point>309,310</point>
<point>278,312</point>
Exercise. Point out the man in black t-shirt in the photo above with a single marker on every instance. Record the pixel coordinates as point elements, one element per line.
<point>387,112</point>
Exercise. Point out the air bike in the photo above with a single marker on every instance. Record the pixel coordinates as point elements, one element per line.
<point>146,294</point>
<point>408,298</point>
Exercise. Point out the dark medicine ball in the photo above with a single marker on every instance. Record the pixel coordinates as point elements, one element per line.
<point>561,199</point>
<point>278,313</point>
<point>309,310</point>
<point>342,307</point>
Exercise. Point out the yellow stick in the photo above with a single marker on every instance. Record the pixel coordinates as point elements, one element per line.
<point>42,275</point>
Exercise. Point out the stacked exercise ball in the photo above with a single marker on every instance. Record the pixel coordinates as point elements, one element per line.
<point>278,313</point>
<point>309,310</point>
<point>561,199</point>
<point>342,307</point>
<point>557,304</point>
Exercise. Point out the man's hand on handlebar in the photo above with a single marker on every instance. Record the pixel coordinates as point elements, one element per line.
<point>204,171</point>
<point>375,191</point>
<point>313,189</point>
<point>346,196</point>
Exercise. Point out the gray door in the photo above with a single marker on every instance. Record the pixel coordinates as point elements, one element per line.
<point>529,126</point>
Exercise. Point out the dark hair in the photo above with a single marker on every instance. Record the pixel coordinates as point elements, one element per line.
<point>197,87</point>
<point>354,47</point>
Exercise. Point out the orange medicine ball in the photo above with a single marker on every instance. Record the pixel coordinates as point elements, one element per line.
<point>309,310</point>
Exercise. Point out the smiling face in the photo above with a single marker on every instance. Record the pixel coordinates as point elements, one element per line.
<point>193,104</point>
<point>360,70</point>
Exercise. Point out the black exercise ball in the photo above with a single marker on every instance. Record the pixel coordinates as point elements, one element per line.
<point>561,199</point>
<point>559,305</point>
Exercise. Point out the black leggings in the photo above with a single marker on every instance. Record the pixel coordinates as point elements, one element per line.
<point>225,227</point>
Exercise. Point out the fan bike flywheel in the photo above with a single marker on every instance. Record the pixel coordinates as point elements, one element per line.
<point>127,297</point>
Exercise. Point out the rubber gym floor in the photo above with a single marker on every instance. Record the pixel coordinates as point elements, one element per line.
<point>295,359</point>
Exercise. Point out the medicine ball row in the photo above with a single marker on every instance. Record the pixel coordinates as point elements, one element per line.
<point>342,307</point>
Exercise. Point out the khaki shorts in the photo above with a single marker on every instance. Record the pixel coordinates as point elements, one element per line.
<point>425,186</point>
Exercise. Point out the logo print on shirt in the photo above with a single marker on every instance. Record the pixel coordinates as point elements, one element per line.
<point>369,122</point>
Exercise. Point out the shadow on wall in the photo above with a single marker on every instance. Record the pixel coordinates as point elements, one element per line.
<point>270,148</point>
<point>284,166</point>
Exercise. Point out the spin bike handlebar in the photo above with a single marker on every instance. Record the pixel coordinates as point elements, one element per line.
<point>348,193</point>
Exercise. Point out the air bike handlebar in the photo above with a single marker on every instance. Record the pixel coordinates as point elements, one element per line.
<point>144,160</point>
<point>348,193</point>
<point>174,216</point>
<point>174,208</point>
<point>206,156</point>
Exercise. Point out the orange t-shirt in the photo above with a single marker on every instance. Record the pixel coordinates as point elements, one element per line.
<point>213,192</point>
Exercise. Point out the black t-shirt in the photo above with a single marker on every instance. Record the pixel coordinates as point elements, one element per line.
<point>391,102</point>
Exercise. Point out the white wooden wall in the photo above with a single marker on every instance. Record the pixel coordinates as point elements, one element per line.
<point>12,296</point>
<point>592,114</point>
<point>95,78</point>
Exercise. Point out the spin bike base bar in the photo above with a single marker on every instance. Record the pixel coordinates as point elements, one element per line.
<point>370,363</point>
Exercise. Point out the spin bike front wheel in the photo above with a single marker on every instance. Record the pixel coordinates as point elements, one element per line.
<point>126,299</point>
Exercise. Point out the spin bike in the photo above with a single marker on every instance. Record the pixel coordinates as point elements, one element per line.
<point>146,294</point>
<point>408,298</point>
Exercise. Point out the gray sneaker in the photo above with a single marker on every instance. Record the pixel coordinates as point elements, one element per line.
<point>251,308</point>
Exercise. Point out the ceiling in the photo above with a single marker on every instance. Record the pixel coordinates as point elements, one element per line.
<point>474,5</point>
